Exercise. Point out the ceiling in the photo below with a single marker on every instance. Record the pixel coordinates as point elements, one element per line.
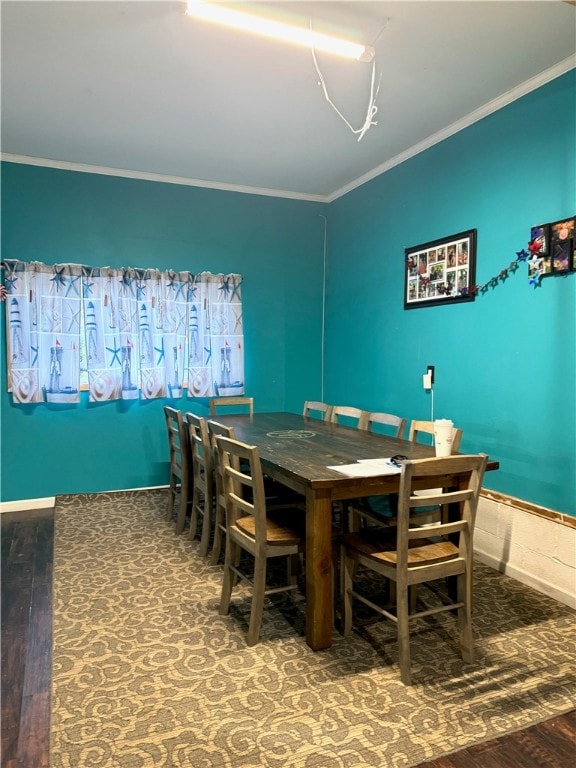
<point>140,89</point>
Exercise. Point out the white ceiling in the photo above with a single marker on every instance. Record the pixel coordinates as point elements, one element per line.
<point>143,89</point>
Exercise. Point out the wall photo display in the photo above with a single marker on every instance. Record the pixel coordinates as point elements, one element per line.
<point>553,248</point>
<point>440,272</point>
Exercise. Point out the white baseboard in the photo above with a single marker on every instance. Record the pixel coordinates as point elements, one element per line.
<point>24,505</point>
<point>540,585</point>
<point>537,550</point>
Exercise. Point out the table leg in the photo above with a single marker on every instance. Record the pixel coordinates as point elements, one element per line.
<point>319,604</point>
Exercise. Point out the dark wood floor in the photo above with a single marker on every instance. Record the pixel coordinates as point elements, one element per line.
<point>27,557</point>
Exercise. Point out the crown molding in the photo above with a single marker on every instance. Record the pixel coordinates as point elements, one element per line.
<point>63,165</point>
<point>473,117</point>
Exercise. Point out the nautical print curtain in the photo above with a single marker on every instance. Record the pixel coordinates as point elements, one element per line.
<point>147,333</point>
<point>216,335</point>
<point>43,309</point>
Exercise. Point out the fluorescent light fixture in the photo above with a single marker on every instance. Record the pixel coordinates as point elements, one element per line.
<point>278,31</point>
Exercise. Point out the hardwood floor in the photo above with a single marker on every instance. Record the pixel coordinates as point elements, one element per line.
<point>27,557</point>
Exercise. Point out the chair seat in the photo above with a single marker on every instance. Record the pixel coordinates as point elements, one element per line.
<point>379,544</point>
<point>284,527</point>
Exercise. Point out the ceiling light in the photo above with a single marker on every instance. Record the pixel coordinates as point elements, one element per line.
<point>279,31</point>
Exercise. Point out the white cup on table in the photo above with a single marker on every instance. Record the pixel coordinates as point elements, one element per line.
<point>443,436</point>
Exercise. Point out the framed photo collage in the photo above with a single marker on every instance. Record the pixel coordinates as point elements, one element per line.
<point>441,271</point>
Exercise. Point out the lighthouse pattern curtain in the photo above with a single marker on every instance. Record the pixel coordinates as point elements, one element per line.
<point>135,333</point>
<point>43,322</point>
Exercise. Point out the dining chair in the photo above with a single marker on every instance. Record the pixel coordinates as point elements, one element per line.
<point>250,526</point>
<point>238,403</point>
<point>349,414</point>
<point>381,510</point>
<point>397,423</point>
<point>203,478</point>
<point>277,495</point>
<point>180,484</point>
<point>408,556</point>
<point>315,406</point>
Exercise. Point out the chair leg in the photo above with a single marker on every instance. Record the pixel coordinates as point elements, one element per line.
<point>348,567</point>
<point>184,505</point>
<point>194,515</point>
<point>403,634</point>
<point>293,568</point>
<point>218,534</point>
<point>206,524</point>
<point>465,617</point>
<point>257,600</point>
<point>228,578</point>
<point>172,495</point>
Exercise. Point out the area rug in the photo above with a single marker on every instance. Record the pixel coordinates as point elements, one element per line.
<point>146,674</point>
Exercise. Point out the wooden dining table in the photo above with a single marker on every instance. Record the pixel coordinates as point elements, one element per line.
<point>298,452</point>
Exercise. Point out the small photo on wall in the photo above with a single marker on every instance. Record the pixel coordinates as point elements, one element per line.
<point>561,231</point>
<point>540,236</point>
<point>562,255</point>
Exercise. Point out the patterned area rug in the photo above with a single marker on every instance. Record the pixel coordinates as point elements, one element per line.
<point>147,675</point>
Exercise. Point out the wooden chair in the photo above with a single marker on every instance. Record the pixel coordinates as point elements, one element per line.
<point>179,467</point>
<point>427,427</point>
<point>408,556</point>
<point>202,473</point>
<point>277,495</point>
<point>251,527</point>
<point>380,510</point>
<point>238,403</point>
<point>348,413</point>
<point>386,419</point>
<point>315,406</point>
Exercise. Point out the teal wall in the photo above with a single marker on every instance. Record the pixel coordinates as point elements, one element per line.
<point>59,216</point>
<point>505,363</point>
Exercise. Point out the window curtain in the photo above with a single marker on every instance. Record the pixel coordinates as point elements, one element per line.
<point>43,323</point>
<point>135,333</point>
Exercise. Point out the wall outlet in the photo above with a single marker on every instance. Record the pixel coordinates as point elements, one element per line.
<point>430,372</point>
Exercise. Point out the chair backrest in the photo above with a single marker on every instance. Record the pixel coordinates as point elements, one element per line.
<point>348,413</point>
<point>215,430</point>
<point>450,480</point>
<point>243,484</point>
<point>177,440</point>
<point>238,403</point>
<point>427,427</point>
<point>200,448</point>
<point>388,420</point>
<point>315,406</point>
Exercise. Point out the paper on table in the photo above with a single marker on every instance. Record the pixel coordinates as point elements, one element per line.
<point>365,469</point>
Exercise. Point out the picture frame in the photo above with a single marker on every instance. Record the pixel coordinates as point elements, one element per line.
<point>541,235</point>
<point>563,245</point>
<point>441,271</point>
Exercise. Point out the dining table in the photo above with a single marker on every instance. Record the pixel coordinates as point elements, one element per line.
<point>301,453</point>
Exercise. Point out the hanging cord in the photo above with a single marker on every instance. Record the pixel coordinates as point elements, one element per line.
<point>372,108</point>
<point>323,307</point>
